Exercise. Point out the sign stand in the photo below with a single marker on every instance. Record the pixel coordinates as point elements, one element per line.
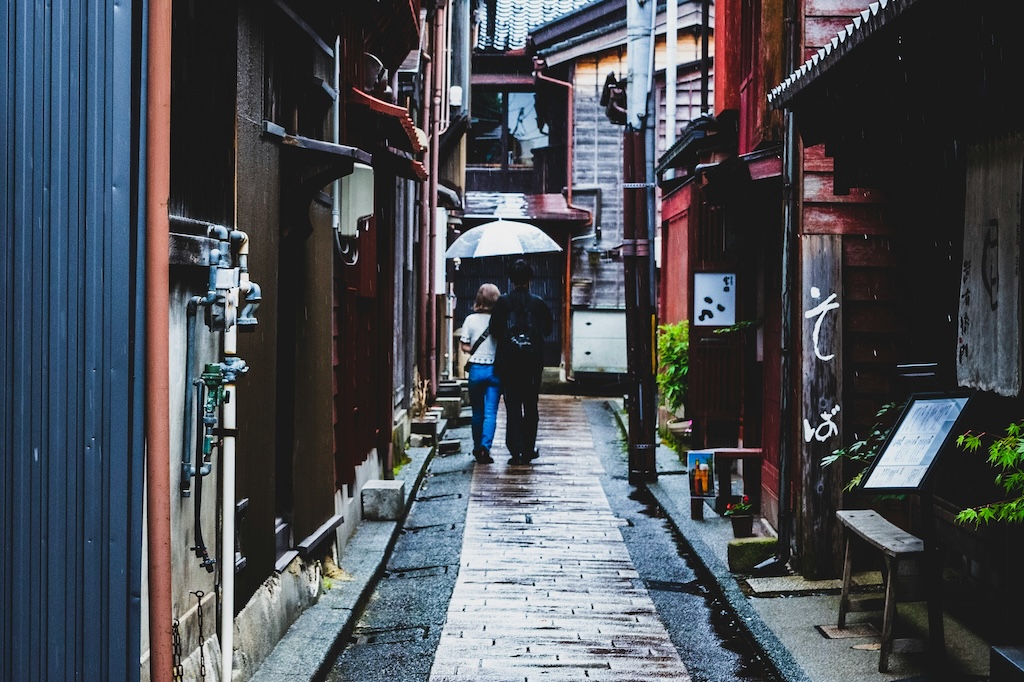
<point>928,425</point>
<point>701,467</point>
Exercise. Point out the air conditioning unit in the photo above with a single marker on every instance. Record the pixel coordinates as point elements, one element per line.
<point>356,200</point>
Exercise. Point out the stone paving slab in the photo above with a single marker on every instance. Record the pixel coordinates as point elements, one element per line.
<point>546,588</point>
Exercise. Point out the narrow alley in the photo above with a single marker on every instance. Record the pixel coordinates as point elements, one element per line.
<point>558,570</point>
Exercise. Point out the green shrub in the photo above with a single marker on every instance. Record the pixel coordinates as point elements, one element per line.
<point>862,452</point>
<point>1005,454</point>
<point>673,364</point>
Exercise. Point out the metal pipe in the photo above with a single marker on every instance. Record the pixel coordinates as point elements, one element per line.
<point>158,441</point>
<point>790,226</point>
<point>671,40</point>
<point>227,511</point>
<point>586,190</point>
<point>435,139</point>
<point>185,483</point>
<point>424,269</point>
<point>570,123</point>
<point>570,106</point>
<point>705,56</point>
<point>789,229</point>
<point>336,134</point>
<point>157,330</point>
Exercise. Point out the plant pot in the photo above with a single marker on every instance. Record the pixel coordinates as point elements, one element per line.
<point>424,426</point>
<point>742,525</point>
<point>680,428</point>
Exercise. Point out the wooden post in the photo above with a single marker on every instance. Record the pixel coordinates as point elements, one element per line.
<point>820,322</point>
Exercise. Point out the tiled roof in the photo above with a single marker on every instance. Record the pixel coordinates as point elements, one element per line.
<point>526,207</point>
<point>512,20</point>
<point>863,25</point>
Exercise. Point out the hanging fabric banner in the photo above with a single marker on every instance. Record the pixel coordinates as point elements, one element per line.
<point>988,355</point>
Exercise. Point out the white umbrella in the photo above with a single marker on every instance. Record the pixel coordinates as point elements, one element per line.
<point>501,238</point>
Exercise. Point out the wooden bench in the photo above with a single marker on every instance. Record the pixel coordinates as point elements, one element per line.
<point>896,545</point>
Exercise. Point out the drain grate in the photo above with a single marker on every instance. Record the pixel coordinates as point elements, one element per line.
<point>389,635</point>
<point>850,631</point>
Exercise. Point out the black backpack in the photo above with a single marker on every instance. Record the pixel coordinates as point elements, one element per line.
<point>521,332</point>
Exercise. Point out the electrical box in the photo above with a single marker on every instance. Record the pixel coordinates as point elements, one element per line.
<point>356,200</point>
<point>599,341</point>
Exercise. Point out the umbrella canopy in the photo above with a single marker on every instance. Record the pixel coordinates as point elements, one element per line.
<point>501,238</point>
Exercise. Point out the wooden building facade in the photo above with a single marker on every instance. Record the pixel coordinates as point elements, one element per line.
<point>867,305</point>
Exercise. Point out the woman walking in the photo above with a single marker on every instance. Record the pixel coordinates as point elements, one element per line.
<point>484,388</point>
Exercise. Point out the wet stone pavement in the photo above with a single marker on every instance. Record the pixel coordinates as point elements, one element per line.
<point>556,570</point>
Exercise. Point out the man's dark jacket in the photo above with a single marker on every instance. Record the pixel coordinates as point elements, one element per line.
<point>521,300</point>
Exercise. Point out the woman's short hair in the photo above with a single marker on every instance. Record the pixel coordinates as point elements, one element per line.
<point>486,296</point>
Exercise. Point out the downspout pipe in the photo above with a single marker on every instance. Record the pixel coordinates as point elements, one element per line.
<point>790,225</point>
<point>580,190</point>
<point>158,442</point>
<point>570,106</point>
<point>435,140</point>
<point>423,297</point>
<point>705,56</point>
<point>671,41</point>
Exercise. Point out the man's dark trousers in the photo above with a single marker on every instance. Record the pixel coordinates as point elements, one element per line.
<point>522,391</point>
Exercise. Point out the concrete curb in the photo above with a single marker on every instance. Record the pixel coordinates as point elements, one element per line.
<point>310,644</point>
<point>785,666</point>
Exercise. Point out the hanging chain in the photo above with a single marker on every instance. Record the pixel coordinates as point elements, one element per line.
<point>199,615</point>
<point>177,670</point>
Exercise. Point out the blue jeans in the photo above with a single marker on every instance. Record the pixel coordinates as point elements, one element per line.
<point>484,394</point>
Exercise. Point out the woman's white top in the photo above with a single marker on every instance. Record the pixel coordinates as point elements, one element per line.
<point>472,328</point>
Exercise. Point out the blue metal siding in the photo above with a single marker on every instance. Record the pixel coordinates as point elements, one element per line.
<point>71,440</point>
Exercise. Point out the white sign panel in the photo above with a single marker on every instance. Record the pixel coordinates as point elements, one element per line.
<point>911,449</point>
<point>714,299</point>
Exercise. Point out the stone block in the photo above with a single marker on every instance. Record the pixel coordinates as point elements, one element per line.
<point>745,553</point>
<point>420,440</point>
<point>449,447</point>
<point>450,407</point>
<point>383,500</point>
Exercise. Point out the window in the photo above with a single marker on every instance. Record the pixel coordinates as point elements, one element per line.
<point>505,129</point>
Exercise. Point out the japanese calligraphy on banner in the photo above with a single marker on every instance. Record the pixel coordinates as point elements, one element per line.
<point>988,353</point>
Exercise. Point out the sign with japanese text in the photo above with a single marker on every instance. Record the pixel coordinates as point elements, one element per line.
<point>714,299</point>
<point>988,324</point>
<point>909,452</point>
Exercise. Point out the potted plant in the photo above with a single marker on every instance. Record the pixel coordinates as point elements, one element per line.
<point>673,367</point>
<point>422,422</point>
<point>742,517</point>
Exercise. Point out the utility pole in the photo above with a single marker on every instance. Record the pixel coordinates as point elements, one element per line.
<point>638,238</point>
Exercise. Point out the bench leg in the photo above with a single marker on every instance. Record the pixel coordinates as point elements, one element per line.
<point>844,596</point>
<point>888,613</point>
<point>932,568</point>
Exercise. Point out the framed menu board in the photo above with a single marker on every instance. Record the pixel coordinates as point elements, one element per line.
<point>927,425</point>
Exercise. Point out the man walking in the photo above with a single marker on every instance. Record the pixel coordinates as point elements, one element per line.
<point>519,322</point>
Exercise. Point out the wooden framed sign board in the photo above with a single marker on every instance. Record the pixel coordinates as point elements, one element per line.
<point>927,425</point>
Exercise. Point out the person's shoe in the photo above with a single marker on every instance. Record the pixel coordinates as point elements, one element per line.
<point>516,459</point>
<point>533,455</point>
<point>483,456</point>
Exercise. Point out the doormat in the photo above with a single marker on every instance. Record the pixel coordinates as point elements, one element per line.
<point>850,631</point>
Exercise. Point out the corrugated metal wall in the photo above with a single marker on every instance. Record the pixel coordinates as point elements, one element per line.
<point>71,405</point>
